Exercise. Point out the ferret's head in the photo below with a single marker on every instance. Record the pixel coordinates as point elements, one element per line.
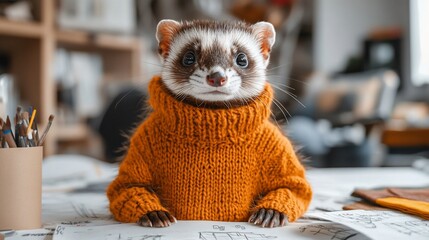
<point>214,61</point>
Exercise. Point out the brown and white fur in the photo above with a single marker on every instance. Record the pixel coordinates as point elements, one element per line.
<point>215,76</point>
<point>215,64</point>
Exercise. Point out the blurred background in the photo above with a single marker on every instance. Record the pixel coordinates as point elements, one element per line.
<point>351,76</point>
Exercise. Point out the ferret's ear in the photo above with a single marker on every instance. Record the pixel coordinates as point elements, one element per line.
<point>266,35</point>
<point>164,34</point>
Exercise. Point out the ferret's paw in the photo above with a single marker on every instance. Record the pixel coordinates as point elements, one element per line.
<point>268,218</point>
<point>157,219</point>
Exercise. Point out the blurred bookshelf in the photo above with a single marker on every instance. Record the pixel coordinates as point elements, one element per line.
<point>31,46</point>
<point>20,29</point>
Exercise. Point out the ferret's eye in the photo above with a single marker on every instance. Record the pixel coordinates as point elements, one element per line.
<point>241,60</point>
<point>188,59</point>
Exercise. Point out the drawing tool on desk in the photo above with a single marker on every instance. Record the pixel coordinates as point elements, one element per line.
<point>9,125</point>
<point>35,134</point>
<point>33,115</point>
<point>25,121</point>
<point>30,131</point>
<point>18,123</point>
<point>26,133</point>
<point>2,140</point>
<point>43,137</point>
<point>22,142</point>
<point>7,133</point>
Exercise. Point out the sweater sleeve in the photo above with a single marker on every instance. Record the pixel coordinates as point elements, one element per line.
<point>283,184</point>
<point>129,194</point>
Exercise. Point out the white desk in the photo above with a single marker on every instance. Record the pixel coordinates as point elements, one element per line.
<point>332,188</point>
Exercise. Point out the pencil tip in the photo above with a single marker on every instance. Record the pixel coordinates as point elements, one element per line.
<point>51,117</point>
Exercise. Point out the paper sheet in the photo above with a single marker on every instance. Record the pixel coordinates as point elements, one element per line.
<point>73,208</point>
<point>209,230</point>
<point>81,212</point>
<point>380,224</point>
<point>70,172</point>
<point>36,234</point>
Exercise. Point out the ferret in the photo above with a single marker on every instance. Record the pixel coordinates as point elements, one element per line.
<point>215,68</point>
<point>215,63</point>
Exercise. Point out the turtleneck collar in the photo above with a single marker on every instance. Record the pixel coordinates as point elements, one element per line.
<point>199,123</point>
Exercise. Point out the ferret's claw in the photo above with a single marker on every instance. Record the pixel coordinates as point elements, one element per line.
<point>268,218</point>
<point>157,219</point>
<point>145,221</point>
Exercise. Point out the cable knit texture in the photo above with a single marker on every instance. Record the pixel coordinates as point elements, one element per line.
<point>208,164</point>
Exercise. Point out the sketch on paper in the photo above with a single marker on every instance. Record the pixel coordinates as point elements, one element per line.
<point>220,228</point>
<point>418,227</point>
<point>234,236</point>
<point>380,224</point>
<point>367,220</point>
<point>138,237</point>
<point>332,231</point>
<point>241,227</point>
<point>60,231</point>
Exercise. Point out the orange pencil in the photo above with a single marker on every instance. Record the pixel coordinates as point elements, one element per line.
<point>31,121</point>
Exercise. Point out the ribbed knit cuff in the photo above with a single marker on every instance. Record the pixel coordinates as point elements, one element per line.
<point>133,203</point>
<point>282,200</point>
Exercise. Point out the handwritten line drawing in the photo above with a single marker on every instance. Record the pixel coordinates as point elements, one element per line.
<point>366,220</point>
<point>47,235</point>
<point>59,230</point>
<point>145,237</point>
<point>75,223</point>
<point>334,231</point>
<point>418,227</point>
<point>138,237</point>
<point>234,236</point>
<point>217,227</point>
<point>242,227</point>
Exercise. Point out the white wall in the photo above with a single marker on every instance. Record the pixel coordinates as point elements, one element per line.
<point>341,25</point>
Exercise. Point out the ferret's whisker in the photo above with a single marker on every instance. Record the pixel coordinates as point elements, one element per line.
<point>123,97</point>
<point>273,116</point>
<point>283,85</point>
<point>153,64</point>
<point>288,78</point>
<point>288,93</point>
<point>279,66</point>
<point>281,108</point>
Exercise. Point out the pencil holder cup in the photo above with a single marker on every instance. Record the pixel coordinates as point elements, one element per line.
<point>21,188</point>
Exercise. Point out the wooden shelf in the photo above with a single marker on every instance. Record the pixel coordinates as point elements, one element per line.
<point>406,137</point>
<point>31,46</point>
<point>20,29</point>
<point>82,39</point>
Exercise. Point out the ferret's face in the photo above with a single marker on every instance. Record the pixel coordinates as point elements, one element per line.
<point>214,62</point>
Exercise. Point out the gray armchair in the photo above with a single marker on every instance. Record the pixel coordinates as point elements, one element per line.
<point>343,121</point>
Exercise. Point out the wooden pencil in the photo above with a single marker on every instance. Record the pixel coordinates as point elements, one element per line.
<point>33,114</point>
<point>9,126</point>
<point>7,133</point>
<point>43,137</point>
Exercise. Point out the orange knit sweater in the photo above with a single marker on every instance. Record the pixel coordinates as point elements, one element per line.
<point>208,164</point>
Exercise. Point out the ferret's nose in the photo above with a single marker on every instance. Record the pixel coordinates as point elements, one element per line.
<point>216,79</point>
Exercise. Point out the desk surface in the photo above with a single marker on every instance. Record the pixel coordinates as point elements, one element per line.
<point>332,188</point>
